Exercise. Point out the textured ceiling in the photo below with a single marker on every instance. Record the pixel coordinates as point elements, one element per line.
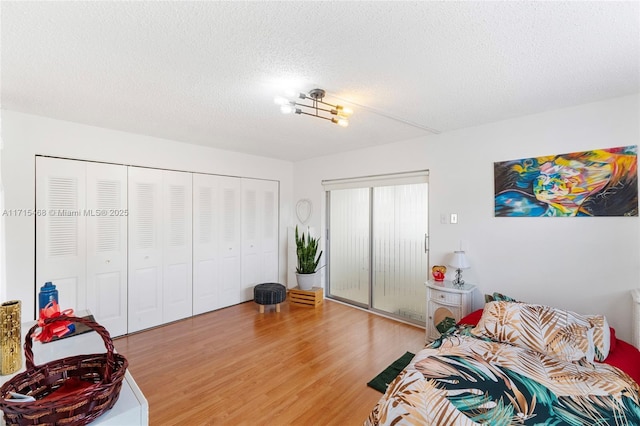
<point>207,72</point>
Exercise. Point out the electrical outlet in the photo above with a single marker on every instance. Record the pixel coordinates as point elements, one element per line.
<point>454,218</point>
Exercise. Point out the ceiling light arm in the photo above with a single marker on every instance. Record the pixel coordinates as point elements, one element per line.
<point>338,114</point>
<point>334,111</point>
<point>299,111</point>
<point>318,100</point>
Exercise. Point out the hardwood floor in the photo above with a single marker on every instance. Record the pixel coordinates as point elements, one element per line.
<point>235,366</point>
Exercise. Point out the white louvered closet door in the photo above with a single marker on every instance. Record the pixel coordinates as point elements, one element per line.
<point>206,229</point>
<point>106,221</point>
<point>60,229</point>
<point>270,220</point>
<point>259,234</point>
<point>230,241</point>
<point>145,248</point>
<point>177,237</point>
<point>251,237</point>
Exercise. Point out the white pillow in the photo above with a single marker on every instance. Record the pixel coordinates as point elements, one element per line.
<point>601,336</point>
<point>563,334</point>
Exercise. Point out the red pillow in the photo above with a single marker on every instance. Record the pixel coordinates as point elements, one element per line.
<point>613,339</point>
<point>472,319</point>
<point>627,358</point>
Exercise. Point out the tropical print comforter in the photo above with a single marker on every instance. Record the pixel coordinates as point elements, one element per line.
<point>461,379</point>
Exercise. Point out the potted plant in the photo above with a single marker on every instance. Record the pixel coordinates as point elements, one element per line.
<point>308,259</point>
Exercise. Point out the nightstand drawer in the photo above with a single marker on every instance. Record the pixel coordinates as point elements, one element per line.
<point>445,297</point>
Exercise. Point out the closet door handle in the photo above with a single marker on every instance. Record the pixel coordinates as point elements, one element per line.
<point>426,243</point>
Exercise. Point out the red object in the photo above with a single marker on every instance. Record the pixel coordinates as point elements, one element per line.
<point>438,272</point>
<point>613,340</point>
<point>627,358</point>
<point>472,319</point>
<point>58,328</point>
<point>621,354</point>
<point>70,386</point>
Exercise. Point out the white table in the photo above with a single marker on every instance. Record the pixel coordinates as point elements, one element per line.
<point>130,409</point>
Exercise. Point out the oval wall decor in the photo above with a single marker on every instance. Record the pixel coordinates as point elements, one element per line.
<point>304,210</point>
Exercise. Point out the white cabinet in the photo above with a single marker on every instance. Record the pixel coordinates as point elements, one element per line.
<point>81,216</point>
<point>160,262</point>
<point>130,409</point>
<point>446,304</point>
<point>259,234</point>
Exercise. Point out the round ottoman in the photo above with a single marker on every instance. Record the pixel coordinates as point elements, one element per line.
<point>269,294</point>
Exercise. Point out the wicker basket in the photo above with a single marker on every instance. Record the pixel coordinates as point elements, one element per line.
<point>100,374</point>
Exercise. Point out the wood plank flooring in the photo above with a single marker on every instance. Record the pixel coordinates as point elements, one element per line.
<point>235,366</point>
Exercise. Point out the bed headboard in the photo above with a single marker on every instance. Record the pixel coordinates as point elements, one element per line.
<point>635,325</point>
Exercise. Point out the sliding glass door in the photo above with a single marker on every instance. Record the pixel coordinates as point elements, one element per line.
<point>349,245</point>
<point>399,250</point>
<point>378,245</point>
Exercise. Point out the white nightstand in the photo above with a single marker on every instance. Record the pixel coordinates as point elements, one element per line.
<point>446,300</point>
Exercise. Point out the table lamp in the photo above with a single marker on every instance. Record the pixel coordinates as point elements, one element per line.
<point>459,261</point>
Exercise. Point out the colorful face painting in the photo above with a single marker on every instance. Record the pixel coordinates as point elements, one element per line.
<point>601,182</point>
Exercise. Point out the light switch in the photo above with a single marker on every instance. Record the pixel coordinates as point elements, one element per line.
<point>454,218</point>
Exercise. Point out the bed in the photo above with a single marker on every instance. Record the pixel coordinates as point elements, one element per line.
<point>514,363</point>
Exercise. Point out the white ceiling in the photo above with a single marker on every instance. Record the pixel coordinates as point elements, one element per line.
<point>207,72</point>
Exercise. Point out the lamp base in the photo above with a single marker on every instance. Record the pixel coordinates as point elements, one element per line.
<point>458,281</point>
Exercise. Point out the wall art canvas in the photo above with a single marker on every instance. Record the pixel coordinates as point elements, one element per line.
<point>601,182</point>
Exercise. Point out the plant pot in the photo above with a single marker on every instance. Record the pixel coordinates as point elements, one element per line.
<point>306,281</point>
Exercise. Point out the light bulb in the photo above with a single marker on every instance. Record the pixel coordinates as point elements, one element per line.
<point>343,122</point>
<point>286,109</point>
<point>344,111</point>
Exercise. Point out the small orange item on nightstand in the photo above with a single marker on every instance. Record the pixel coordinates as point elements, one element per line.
<point>438,272</point>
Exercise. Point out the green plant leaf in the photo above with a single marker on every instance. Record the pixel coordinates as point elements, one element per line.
<point>307,253</point>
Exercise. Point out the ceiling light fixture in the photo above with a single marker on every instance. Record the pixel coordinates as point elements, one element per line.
<point>337,114</point>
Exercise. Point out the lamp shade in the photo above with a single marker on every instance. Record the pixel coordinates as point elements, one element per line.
<point>459,260</point>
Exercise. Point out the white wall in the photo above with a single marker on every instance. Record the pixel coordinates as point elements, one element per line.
<point>588,265</point>
<point>25,136</point>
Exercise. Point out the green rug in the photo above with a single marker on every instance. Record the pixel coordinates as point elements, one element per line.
<point>382,380</point>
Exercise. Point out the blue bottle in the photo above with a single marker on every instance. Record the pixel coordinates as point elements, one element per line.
<point>48,293</point>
